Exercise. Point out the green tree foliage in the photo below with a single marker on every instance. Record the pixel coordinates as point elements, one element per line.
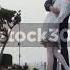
<point>6,14</point>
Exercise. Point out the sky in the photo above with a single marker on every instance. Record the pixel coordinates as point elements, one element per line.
<point>32,11</point>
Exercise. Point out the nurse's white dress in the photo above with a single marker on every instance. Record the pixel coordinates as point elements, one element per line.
<point>50,19</point>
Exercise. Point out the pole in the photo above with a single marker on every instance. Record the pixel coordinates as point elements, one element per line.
<point>19,43</point>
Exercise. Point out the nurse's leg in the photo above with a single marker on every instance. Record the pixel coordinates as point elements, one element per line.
<point>60,58</point>
<point>50,58</point>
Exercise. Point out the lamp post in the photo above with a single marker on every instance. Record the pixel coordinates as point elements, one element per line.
<point>19,39</point>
